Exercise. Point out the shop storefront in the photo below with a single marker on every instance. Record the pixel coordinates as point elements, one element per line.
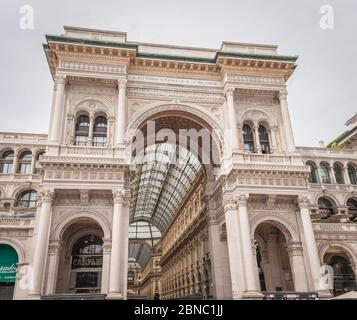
<point>8,263</point>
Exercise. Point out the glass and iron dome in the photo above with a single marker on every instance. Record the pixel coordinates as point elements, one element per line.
<point>139,253</point>
<point>143,230</point>
<point>165,173</point>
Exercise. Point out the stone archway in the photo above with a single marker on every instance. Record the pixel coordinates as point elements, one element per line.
<point>180,211</point>
<point>279,255</point>
<point>73,265</point>
<point>342,259</point>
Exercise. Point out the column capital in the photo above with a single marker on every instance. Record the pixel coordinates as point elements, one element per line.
<point>303,201</point>
<point>46,195</point>
<point>60,79</point>
<point>283,94</point>
<point>122,197</point>
<point>294,249</point>
<point>242,199</point>
<point>122,83</point>
<point>229,91</point>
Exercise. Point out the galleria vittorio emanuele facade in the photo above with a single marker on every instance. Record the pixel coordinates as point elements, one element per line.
<point>172,173</point>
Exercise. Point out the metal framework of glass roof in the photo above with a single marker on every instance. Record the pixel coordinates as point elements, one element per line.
<point>139,252</point>
<point>164,174</point>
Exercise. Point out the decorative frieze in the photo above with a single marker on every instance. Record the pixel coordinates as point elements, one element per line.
<point>252,79</point>
<point>175,94</point>
<point>84,66</point>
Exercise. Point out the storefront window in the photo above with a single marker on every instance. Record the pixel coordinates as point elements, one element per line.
<point>8,264</point>
<point>86,265</point>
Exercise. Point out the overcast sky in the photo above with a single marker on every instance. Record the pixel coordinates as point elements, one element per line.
<point>322,92</point>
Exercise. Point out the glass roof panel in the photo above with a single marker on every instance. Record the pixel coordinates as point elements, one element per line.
<point>161,182</point>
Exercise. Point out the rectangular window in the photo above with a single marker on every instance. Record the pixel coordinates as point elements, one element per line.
<point>81,141</point>
<point>25,168</point>
<point>6,168</point>
<point>99,142</point>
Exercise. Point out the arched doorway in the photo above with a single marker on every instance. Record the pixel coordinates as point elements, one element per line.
<point>8,265</point>
<point>86,264</point>
<point>273,261</point>
<point>81,258</point>
<point>343,276</point>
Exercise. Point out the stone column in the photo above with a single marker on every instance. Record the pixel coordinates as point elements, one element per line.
<point>288,131</point>
<point>41,245</point>
<point>90,133</point>
<point>295,252</point>
<point>15,163</point>
<point>232,118</point>
<point>111,121</point>
<point>121,113</point>
<point>274,145</point>
<point>107,249</point>
<point>257,145</point>
<point>33,163</point>
<point>234,247</point>
<point>310,242</point>
<point>247,251</point>
<point>54,249</point>
<point>119,259</point>
<point>55,127</point>
<point>346,175</point>
<point>332,174</point>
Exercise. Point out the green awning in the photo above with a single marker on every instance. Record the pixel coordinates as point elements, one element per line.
<point>8,262</point>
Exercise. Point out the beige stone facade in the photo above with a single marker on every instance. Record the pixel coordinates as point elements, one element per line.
<point>261,216</point>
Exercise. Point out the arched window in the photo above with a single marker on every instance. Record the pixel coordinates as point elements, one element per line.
<point>325,173</point>
<point>248,138</point>
<point>343,276</point>
<point>264,139</point>
<point>312,173</point>
<point>100,132</point>
<point>82,130</point>
<point>86,264</point>
<point>27,199</point>
<point>337,169</point>
<point>352,208</point>
<point>7,161</point>
<point>25,162</point>
<point>326,206</point>
<point>352,173</point>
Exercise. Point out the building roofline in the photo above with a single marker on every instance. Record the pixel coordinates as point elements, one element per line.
<point>135,46</point>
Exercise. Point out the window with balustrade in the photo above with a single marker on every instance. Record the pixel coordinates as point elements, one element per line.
<point>248,138</point>
<point>82,130</point>
<point>352,208</point>
<point>100,132</point>
<point>351,168</point>
<point>25,162</point>
<point>264,139</point>
<point>325,173</point>
<point>313,177</point>
<point>7,161</point>
<point>326,207</point>
<point>338,171</point>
